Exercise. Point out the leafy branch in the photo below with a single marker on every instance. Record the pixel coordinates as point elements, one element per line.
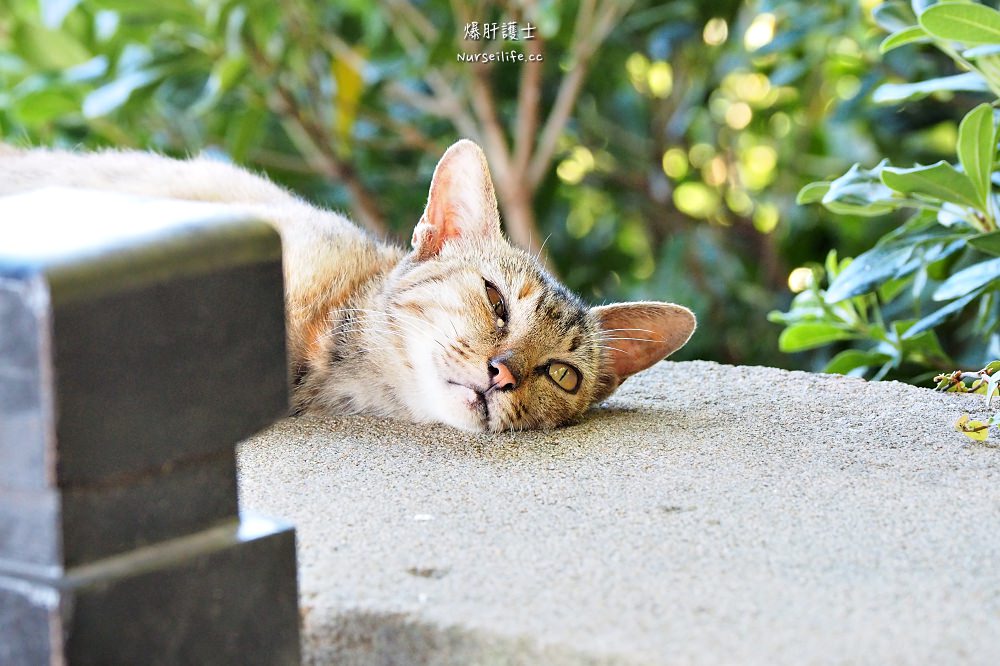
<point>946,257</point>
<point>985,382</point>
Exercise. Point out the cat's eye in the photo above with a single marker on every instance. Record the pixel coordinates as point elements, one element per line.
<point>496,303</point>
<point>564,375</point>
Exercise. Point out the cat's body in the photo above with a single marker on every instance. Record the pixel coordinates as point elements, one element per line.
<point>464,329</point>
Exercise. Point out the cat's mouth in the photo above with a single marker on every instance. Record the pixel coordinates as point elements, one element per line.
<point>475,400</point>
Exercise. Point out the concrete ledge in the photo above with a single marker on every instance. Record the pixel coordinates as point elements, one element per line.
<point>707,514</point>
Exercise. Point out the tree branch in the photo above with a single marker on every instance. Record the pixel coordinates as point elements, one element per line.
<point>589,32</point>
<point>313,143</point>
<point>528,100</point>
<point>449,106</point>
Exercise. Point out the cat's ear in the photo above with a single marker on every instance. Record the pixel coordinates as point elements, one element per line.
<point>639,334</point>
<point>461,204</point>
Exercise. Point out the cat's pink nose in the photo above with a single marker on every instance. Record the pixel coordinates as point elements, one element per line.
<point>501,378</point>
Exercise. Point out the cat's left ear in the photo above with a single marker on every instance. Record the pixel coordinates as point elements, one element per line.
<point>639,334</point>
<point>461,204</point>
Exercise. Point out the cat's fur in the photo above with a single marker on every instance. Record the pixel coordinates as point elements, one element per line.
<point>373,328</point>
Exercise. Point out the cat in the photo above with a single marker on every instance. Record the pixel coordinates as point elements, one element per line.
<point>463,329</point>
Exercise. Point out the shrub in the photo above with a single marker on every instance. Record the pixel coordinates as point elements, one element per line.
<point>941,267</point>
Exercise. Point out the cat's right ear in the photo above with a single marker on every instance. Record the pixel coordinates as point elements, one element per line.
<point>637,335</point>
<point>461,204</point>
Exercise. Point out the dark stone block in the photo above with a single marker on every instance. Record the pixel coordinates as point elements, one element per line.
<point>25,409</point>
<point>30,622</point>
<point>196,365</point>
<point>106,519</point>
<point>139,341</point>
<point>155,336</point>
<point>84,523</point>
<point>227,595</point>
<point>30,529</point>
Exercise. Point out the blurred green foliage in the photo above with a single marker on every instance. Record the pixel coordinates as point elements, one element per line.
<point>674,176</point>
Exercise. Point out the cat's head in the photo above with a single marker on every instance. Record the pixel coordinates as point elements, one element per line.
<point>493,341</point>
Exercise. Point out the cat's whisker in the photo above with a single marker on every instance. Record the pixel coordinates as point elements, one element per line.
<point>393,319</point>
<point>635,339</point>
<point>610,347</point>
<point>354,325</point>
<point>538,255</point>
<point>403,318</point>
<point>406,327</point>
<point>613,330</point>
<point>418,321</point>
<point>368,329</point>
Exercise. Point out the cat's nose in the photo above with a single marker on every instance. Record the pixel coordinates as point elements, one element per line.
<point>501,377</point>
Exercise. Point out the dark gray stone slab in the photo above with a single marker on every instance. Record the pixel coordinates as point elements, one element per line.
<point>30,530</point>
<point>82,523</point>
<point>30,622</point>
<point>106,519</point>
<point>227,595</point>
<point>25,408</point>
<point>154,336</point>
<point>185,367</point>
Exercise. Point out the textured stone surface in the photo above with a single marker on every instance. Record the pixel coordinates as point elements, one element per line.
<point>226,595</point>
<point>706,514</point>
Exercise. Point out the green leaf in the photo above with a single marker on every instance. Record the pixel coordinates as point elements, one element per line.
<point>547,15</point>
<point>988,243</point>
<point>939,181</point>
<point>225,74</point>
<point>909,35</point>
<point>981,51</point>
<point>938,316</point>
<point>109,97</point>
<point>45,105</point>
<point>812,192</point>
<point>244,132</point>
<point>860,192</point>
<point>48,49</point>
<point>869,270</point>
<point>951,215</point>
<point>977,146</point>
<point>899,92</point>
<point>54,11</point>
<point>922,347</point>
<point>968,279</point>
<point>852,359</point>
<point>893,16</point>
<point>811,334</point>
<point>183,11</point>
<point>969,23</point>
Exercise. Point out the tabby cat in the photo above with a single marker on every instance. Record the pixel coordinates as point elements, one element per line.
<point>463,329</point>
